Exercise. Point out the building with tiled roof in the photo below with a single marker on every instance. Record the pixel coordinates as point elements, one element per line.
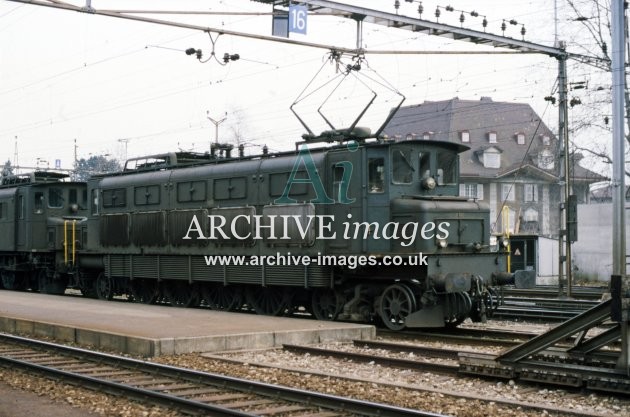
<point>512,161</point>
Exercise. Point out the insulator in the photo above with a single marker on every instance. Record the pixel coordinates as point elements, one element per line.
<point>503,26</point>
<point>606,120</point>
<point>474,14</point>
<point>449,8</point>
<point>513,22</point>
<point>462,18</point>
<point>523,30</point>
<point>437,12</point>
<point>397,5</point>
<point>484,22</point>
<point>420,9</point>
<point>604,48</point>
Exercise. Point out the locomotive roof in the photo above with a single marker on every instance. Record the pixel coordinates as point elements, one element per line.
<point>175,160</point>
<point>36,177</point>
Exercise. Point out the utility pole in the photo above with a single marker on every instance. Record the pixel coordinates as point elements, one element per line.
<point>15,157</point>
<point>216,126</point>
<point>126,142</point>
<point>75,160</point>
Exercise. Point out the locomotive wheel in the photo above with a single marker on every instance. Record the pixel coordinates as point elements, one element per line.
<point>459,306</point>
<point>145,291</point>
<point>326,303</point>
<point>268,301</point>
<point>180,293</point>
<point>397,302</point>
<point>87,284</point>
<point>222,297</point>
<point>46,284</point>
<point>12,280</point>
<point>104,287</point>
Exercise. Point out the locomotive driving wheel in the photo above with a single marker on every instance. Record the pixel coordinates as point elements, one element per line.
<point>180,293</point>
<point>268,301</point>
<point>145,291</point>
<point>104,287</point>
<point>397,302</point>
<point>222,297</point>
<point>12,280</point>
<point>47,284</point>
<point>326,303</point>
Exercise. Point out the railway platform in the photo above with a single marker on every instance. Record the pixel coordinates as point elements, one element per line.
<point>153,330</point>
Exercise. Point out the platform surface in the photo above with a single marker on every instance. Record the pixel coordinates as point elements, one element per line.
<point>152,330</point>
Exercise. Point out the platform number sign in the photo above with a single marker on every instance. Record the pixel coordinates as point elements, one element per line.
<point>297,19</point>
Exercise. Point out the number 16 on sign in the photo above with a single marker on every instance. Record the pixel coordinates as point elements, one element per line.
<point>297,19</point>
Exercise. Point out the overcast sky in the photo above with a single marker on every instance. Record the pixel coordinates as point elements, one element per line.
<point>116,85</point>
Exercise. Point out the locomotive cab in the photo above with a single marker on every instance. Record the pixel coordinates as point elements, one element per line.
<point>43,218</point>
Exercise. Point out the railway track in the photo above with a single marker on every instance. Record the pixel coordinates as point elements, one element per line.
<point>188,391</point>
<point>546,309</point>
<point>551,291</point>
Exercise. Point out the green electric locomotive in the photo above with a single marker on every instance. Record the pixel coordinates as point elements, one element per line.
<point>360,228</point>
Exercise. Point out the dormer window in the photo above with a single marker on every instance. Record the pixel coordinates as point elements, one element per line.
<point>464,136</point>
<point>520,138</point>
<point>492,137</point>
<point>545,140</point>
<point>427,135</point>
<point>492,158</point>
<point>545,159</point>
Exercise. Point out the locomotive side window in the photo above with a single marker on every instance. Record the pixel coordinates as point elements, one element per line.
<point>116,197</point>
<point>376,175</point>
<point>38,204</point>
<point>146,195</point>
<point>228,188</point>
<point>189,191</point>
<point>1,210</point>
<point>446,167</point>
<point>402,167</point>
<point>72,196</point>
<point>279,181</point>
<point>55,197</point>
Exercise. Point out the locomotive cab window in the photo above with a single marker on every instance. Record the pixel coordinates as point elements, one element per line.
<point>446,168</point>
<point>94,202</point>
<point>424,159</point>
<point>73,197</point>
<point>55,197</point>
<point>402,166</point>
<point>38,204</point>
<point>2,210</point>
<point>376,175</point>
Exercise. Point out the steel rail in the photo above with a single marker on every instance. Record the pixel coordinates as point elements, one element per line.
<point>361,357</point>
<point>311,398</point>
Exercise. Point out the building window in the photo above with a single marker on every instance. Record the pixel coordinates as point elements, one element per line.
<point>520,138</point>
<point>545,159</point>
<point>530,215</point>
<point>491,159</point>
<point>492,137</point>
<point>427,135</point>
<point>545,140</point>
<point>531,192</point>
<point>474,191</point>
<point>507,192</point>
<point>464,135</point>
